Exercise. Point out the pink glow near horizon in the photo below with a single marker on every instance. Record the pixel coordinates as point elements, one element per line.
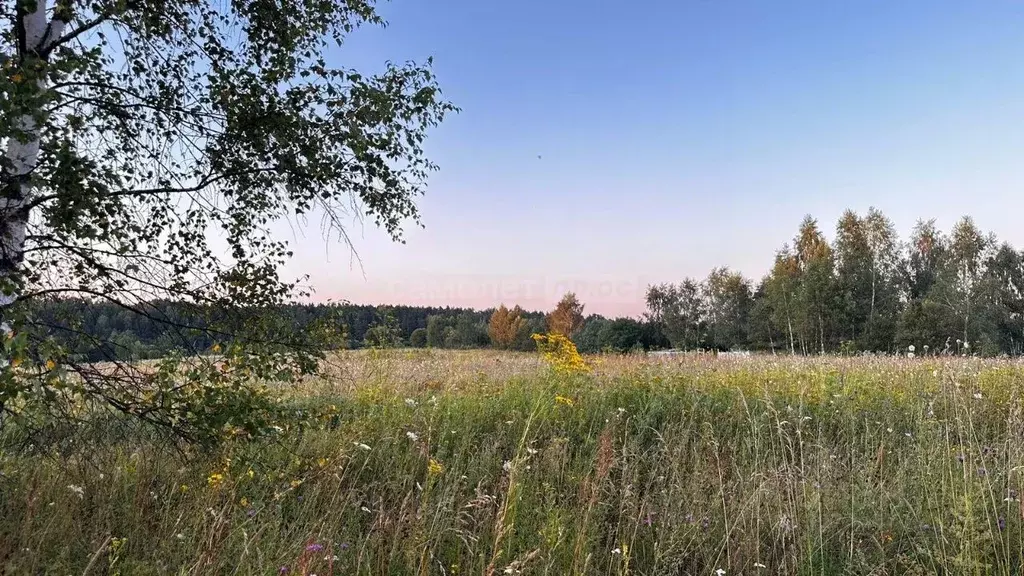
<point>608,297</point>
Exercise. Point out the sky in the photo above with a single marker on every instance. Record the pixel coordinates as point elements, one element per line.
<point>605,146</point>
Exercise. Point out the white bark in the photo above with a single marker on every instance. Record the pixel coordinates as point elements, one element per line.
<point>23,155</point>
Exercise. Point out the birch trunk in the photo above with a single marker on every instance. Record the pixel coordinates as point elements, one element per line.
<point>22,156</point>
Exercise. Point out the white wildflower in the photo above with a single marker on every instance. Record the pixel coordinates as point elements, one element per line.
<point>977,395</point>
<point>506,466</point>
<point>410,402</point>
<point>364,509</point>
<point>412,435</point>
<point>531,451</point>
<point>617,551</point>
<point>759,565</point>
<point>77,490</point>
<point>720,572</point>
<point>361,446</point>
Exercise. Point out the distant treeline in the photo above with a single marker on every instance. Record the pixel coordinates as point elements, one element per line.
<point>100,330</point>
<point>960,292</point>
<point>866,291</point>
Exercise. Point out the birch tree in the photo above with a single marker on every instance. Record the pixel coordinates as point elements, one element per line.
<point>959,285</point>
<point>816,295</point>
<point>679,311</point>
<point>151,147</point>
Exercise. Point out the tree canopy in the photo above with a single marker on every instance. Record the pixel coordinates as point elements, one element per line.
<point>150,148</point>
<point>865,291</point>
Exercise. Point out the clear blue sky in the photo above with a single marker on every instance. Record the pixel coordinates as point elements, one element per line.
<point>675,136</point>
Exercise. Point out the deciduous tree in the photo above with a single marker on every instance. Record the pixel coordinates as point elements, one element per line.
<point>679,310</point>
<point>727,296</point>
<point>144,140</point>
<point>505,325</point>
<point>567,317</point>
<point>816,295</point>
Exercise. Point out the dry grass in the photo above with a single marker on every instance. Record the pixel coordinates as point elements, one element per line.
<point>439,462</point>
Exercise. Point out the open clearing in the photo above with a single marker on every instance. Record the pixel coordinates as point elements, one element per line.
<point>430,462</point>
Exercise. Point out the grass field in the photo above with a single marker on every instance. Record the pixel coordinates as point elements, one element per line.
<point>430,462</point>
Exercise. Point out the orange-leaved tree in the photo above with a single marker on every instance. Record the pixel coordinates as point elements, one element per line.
<point>505,325</point>
<point>567,317</point>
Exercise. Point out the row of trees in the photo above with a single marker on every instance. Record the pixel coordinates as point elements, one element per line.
<point>99,330</point>
<point>865,291</point>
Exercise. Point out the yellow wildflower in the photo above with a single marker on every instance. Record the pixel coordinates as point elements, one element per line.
<point>434,467</point>
<point>215,480</point>
<point>560,353</point>
<point>296,483</point>
<point>564,400</point>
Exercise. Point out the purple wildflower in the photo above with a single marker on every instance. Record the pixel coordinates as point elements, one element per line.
<point>314,547</point>
<point>649,519</point>
<point>982,471</point>
<point>960,458</point>
<point>1002,523</point>
<point>688,519</point>
<point>343,546</point>
<point>705,523</point>
<point>282,570</point>
<point>250,512</point>
<point>926,527</point>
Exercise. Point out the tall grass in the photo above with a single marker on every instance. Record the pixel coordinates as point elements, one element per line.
<point>466,463</point>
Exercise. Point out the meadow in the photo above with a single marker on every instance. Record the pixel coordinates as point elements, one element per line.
<point>454,463</point>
